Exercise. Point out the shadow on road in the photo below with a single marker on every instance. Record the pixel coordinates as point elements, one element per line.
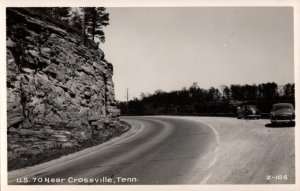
<point>280,125</point>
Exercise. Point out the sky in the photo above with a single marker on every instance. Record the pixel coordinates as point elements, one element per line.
<point>170,48</point>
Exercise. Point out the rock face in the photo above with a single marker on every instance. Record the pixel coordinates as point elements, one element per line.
<point>59,92</point>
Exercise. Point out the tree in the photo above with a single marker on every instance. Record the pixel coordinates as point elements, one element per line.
<point>289,90</point>
<point>76,20</point>
<point>237,92</point>
<point>62,13</point>
<point>225,92</point>
<point>86,17</point>
<point>268,91</point>
<point>289,93</point>
<point>214,94</point>
<point>250,92</point>
<point>94,20</point>
<point>267,96</point>
<point>59,13</point>
<point>100,19</point>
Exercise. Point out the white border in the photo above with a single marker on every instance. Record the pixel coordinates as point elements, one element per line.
<point>145,3</point>
<point>149,3</point>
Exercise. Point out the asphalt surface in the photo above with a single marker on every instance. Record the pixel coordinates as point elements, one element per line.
<point>178,150</point>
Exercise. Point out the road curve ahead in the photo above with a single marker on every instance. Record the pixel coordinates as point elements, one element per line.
<point>177,150</point>
<point>162,151</point>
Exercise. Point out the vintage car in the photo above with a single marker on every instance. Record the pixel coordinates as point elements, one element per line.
<point>282,113</point>
<point>247,112</point>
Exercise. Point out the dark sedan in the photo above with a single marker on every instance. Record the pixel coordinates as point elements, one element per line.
<point>248,111</point>
<point>282,113</point>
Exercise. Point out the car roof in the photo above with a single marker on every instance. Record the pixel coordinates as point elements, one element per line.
<point>282,104</point>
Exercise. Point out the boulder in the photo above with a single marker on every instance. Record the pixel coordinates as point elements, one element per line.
<point>34,152</point>
<point>10,43</point>
<point>32,53</point>
<point>46,52</point>
<point>25,132</point>
<point>67,145</point>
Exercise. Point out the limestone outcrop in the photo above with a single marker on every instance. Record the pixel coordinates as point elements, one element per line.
<point>60,92</point>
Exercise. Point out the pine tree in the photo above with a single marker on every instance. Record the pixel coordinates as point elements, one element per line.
<point>94,20</point>
<point>76,20</point>
<point>86,18</point>
<point>62,13</point>
<point>100,18</point>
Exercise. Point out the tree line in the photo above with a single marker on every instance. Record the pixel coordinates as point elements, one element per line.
<point>88,22</point>
<point>196,100</point>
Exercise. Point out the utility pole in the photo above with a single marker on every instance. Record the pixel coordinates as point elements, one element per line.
<point>127,96</point>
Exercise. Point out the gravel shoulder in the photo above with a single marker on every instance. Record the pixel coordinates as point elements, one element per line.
<point>248,152</point>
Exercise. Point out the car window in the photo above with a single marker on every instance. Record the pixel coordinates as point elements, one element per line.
<point>282,107</point>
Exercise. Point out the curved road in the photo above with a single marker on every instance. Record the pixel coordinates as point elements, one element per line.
<point>177,150</point>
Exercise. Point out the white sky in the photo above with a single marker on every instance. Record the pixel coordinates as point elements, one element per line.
<point>169,48</point>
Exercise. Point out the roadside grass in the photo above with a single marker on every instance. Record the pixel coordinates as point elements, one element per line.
<point>48,155</point>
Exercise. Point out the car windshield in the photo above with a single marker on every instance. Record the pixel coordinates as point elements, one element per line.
<point>281,107</point>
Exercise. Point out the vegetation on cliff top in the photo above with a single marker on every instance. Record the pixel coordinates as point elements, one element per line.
<point>88,22</point>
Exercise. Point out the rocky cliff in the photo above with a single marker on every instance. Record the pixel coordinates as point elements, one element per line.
<point>60,93</point>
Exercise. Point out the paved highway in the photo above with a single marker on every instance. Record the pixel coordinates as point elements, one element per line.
<point>178,150</point>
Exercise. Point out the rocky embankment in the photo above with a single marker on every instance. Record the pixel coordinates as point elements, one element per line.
<point>60,93</point>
